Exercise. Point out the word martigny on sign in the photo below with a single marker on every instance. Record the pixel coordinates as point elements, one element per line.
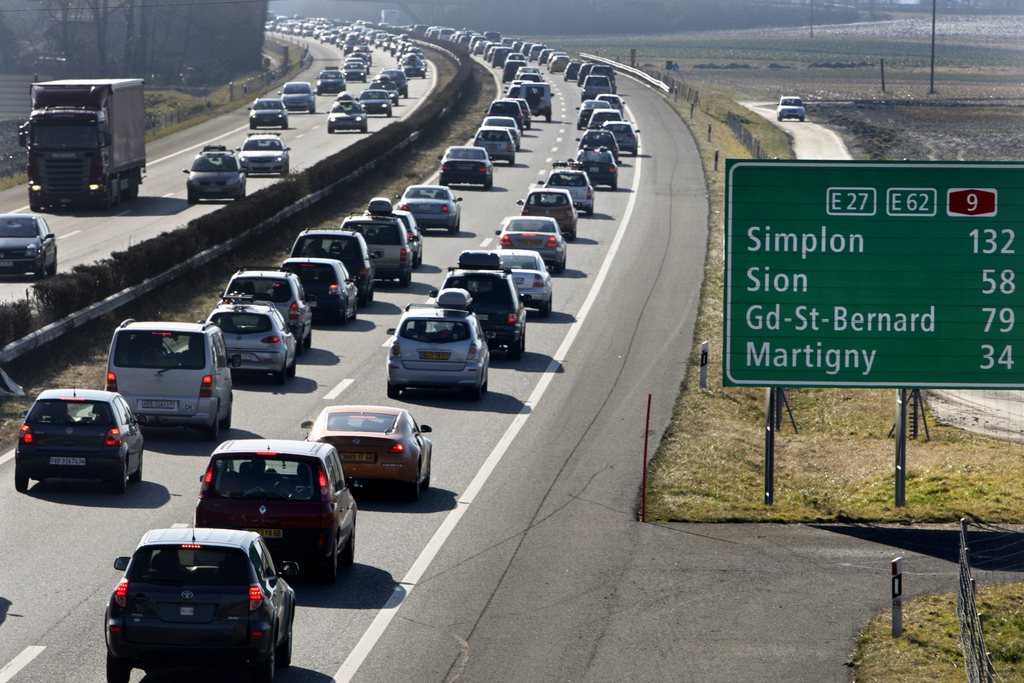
<point>874,274</point>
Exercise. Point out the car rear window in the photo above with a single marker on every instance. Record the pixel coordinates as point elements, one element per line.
<point>312,273</point>
<point>361,421</point>
<point>492,136</point>
<point>470,154</point>
<point>377,233</point>
<point>528,225</point>
<point>491,290</point>
<point>328,247</point>
<point>253,476</point>
<point>567,180</point>
<point>525,261</point>
<point>161,349</point>
<point>262,289</point>
<point>70,411</point>
<point>177,566</point>
<point>546,199</point>
<point>242,323</point>
<point>434,331</point>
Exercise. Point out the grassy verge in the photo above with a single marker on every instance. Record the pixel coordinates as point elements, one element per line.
<point>929,649</point>
<point>80,359</point>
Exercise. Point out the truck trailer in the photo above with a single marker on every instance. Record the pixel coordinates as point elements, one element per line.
<point>86,143</point>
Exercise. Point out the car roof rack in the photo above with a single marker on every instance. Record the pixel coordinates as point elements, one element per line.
<point>237,299</point>
<point>215,148</point>
<point>261,133</point>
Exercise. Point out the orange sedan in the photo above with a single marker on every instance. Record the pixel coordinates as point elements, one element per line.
<point>376,443</point>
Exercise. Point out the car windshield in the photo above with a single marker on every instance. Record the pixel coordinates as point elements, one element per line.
<point>18,227</point>
<point>297,89</point>
<point>330,75</point>
<point>214,164</point>
<point>361,421</point>
<point>374,95</point>
<point>70,411</point>
<point>263,145</point>
<point>194,566</point>
<point>531,225</point>
<point>268,104</point>
<point>261,288</point>
<point>242,323</point>
<point>345,108</point>
<point>162,349</point>
<point>791,102</point>
<point>434,331</point>
<point>262,477</point>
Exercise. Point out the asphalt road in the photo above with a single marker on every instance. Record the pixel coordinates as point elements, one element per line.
<point>84,236</point>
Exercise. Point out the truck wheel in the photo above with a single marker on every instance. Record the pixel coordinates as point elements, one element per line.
<point>35,207</point>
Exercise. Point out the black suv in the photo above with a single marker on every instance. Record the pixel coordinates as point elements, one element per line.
<point>200,596</point>
<point>345,246</point>
<point>330,81</point>
<point>496,300</point>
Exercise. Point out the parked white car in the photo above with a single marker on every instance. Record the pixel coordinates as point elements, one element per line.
<point>790,107</point>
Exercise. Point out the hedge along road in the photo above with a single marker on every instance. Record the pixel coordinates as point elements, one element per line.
<point>89,235</point>
<point>991,412</point>
<point>550,529</point>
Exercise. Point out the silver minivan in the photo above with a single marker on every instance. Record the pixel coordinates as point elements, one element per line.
<point>172,374</point>
<point>388,242</point>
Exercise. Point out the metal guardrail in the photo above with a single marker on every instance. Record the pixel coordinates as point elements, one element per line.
<point>54,330</point>
<point>628,70</point>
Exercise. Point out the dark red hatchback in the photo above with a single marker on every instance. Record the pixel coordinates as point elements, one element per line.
<point>292,493</point>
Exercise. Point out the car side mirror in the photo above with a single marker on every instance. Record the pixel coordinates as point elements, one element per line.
<point>439,157</point>
<point>432,292</point>
<point>308,424</point>
<point>390,330</point>
<point>458,199</point>
<point>185,170</point>
<point>497,232</point>
<point>121,563</point>
<point>236,361</point>
<point>238,149</point>
<point>520,202</point>
<point>425,429</point>
<point>288,569</point>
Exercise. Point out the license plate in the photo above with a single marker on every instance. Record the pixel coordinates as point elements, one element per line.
<point>268,533</point>
<point>186,611</point>
<point>6,264</point>
<point>160,405</point>
<point>434,355</point>
<point>65,460</point>
<point>519,280</point>
<point>593,169</point>
<point>248,356</point>
<point>481,316</point>
<point>531,243</point>
<point>358,457</point>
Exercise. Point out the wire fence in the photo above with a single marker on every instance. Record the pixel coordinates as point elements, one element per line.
<point>743,134</point>
<point>977,660</point>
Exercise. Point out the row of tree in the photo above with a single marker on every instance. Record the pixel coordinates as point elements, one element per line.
<point>165,41</point>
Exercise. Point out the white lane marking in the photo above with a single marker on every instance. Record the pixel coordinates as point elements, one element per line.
<point>180,525</point>
<point>168,195</point>
<point>7,457</point>
<point>20,662</point>
<point>342,386</point>
<point>123,213</point>
<point>299,136</point>
<point>22,209</point>
<point>561,131</point>
<point>541,171</point>
<point>547,161</point>
<point>388,341</point>
<point>558,139</point>
<point>384,617</point>
<point>554,149</point>
<point>486,243</point>
<point>73,232</point>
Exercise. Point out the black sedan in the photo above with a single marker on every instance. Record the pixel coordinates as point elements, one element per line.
<point>376,101</point>
<point>469,165</point>
<point>27,245</point>
<point>79,434</point>
<point>600,166</point>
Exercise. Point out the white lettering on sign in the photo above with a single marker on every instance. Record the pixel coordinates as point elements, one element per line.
<point>763,280</point>
<point>763,239</point>
<point>832,361</point>
<point>873,321</point>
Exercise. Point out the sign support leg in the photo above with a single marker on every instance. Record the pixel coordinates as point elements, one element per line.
<point>901,447</point>
<point>769,445</point>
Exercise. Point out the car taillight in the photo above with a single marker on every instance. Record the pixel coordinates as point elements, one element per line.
<point>510,147</point>
<point>404,207</point>
<point>396,350</point>
<point>444,208</point>
<point>113,437</point>
<point>473,353</point>
<point>111,382</point>
<point>444,167</point>
<point>482,169</point>
<point>612,169</point>
<point>272,339</point>
<point>552,241</point>
<point>403,256</point>
<point>121,592</point>
<point>512,318</point>
<point>506,240</point>
<point>538,281</point>
<point>362,272</point>
<point>322,480</point>
<point>206,387</point>
<point>255,597</point>
<point>397,447</point>
<point>25,434</point>
<point>333,289</point>
<point>410,235</point>
<point>293,311</point>
<point>590,193</point>
<point>207,480</point>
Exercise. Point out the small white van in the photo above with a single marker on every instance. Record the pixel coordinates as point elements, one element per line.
<point>172,374</point>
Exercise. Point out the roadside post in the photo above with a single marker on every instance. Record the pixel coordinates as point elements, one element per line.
<point>705,346</point>
<point>897,597</point>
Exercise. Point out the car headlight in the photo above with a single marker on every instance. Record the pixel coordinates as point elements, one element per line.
<point>332,119</point>
<point>32,250</point>
<point>359,118</point>
<point>281,158</point>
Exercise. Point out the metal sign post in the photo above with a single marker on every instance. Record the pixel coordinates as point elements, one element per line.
<point>901,447</point>
<point>897,597</point>
<point>769,446</point>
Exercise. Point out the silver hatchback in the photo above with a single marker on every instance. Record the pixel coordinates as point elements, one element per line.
<point>537,233</point>
<point>439,345</point>
<point>257,337</point>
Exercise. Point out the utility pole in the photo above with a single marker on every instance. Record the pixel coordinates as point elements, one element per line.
<point>931,84</point>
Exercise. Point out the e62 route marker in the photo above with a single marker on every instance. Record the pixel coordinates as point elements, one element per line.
<point>874,274</point>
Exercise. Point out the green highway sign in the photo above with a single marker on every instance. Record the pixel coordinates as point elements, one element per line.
<point>874,274</point>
